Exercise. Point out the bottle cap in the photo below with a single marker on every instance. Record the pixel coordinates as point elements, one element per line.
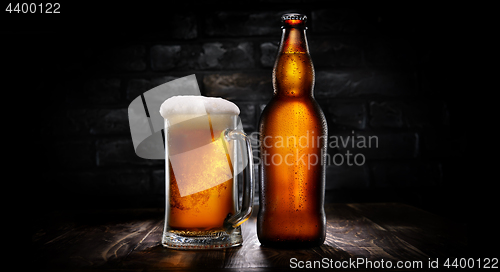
<point>293,16</point>
<point>294,19</point>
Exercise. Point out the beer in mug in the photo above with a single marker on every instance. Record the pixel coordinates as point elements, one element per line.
<point>203,140</point>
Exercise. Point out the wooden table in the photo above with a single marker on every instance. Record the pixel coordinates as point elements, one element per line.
<point>130,241</point>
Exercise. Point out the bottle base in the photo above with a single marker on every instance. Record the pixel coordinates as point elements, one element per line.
<point>297,244</point>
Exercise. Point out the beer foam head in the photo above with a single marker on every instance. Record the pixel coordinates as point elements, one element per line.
<point>197,105</point>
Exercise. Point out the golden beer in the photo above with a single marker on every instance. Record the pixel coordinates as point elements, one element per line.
<point>205,209</point>
<point>201,157</point>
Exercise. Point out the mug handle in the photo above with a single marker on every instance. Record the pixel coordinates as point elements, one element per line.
<point>233,221</point>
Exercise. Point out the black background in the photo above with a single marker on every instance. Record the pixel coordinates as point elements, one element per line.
<point>46,53</point>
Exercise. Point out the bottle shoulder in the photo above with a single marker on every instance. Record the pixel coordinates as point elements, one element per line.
<point>299,105</point>
<point>303,113</point>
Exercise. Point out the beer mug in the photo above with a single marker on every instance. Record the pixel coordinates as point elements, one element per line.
<point>206,152</point>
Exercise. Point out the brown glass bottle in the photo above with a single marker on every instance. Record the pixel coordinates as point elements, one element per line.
<point>293,139</point>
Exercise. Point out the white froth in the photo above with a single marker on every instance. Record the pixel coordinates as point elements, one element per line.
<point>197,105</point>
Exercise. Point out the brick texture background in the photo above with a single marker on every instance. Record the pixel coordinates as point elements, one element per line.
<point>377,73</point>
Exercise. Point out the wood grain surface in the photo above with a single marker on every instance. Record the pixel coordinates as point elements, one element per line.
<point>129,240</point>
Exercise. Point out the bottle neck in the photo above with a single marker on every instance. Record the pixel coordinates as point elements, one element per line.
<point>293,40</point>
<point>293,73</point>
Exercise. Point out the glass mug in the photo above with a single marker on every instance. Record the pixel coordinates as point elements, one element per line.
<point>205,151</point>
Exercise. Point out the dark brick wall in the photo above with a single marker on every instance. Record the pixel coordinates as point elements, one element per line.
<point>378,72</point>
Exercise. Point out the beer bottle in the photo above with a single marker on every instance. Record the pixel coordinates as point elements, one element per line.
<point>293,140</point>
